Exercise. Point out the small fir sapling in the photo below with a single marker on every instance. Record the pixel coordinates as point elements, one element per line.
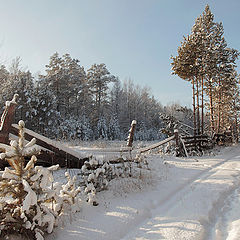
<point>69,192</point>
<point>29,204</point>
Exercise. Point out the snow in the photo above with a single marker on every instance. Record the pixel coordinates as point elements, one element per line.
<point>176,198</point>
<point>45,175</point>
<point>134,122</point>
<point>30,199</point>
<point>13,101</point>
<point>52,142</point>
<point>179,198</point>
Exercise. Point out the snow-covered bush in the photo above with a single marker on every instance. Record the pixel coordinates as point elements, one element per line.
<point>30,203</point>
<point>96,176</point>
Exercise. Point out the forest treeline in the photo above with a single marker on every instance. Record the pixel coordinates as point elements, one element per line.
<point>73,103</point>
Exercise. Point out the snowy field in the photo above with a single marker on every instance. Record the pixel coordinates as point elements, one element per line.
<point>178,198</point>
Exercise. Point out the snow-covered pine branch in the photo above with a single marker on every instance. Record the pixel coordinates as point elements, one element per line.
<point>30,203</point>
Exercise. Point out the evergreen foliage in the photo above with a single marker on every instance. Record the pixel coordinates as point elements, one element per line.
<point>102,129</point>
<point>205,60</point>
<point>114,131</point>
<point>30,203</point>
<point>71,103</point>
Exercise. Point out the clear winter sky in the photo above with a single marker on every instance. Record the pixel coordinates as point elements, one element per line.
<point>134,38</point>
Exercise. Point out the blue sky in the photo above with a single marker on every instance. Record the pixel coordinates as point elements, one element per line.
<point>134,38</point>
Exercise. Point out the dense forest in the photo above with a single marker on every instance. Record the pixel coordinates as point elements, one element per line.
<point>73,103</point>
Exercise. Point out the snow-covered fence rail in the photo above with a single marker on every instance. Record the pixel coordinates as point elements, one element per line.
<point>109,150</point>
<point>53,152</point>
<point>201,141</point>
<point>156,145</point>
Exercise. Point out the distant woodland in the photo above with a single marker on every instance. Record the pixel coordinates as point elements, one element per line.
<point>73,103</point>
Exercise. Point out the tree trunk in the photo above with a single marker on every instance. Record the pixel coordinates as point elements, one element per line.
<point>211,108</point>
<point>194,107</point>
<point>202,125</point>
<point>236,122</point>
<point>236,126</point>
<point>198,107</point>
<point>219,102</point>
<point>219,112</point>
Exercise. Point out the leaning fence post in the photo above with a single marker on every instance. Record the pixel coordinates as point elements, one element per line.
<point>131,133</point>
<point>177,142</point>
<point>176,137</point>
<point>7,119</point>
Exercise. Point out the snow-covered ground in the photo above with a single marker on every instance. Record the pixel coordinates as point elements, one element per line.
<point>178,198</point>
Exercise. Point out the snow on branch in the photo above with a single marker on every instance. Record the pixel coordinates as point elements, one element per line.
<point>30,203</point>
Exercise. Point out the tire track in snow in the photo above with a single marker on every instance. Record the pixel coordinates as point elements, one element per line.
<point>167,205</point>
<point>222,225</point>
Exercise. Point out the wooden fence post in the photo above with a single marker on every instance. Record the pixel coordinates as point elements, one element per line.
<point>7,120</point>
<point>176,137</point>
<point>131,133</point>
<point>178,150</point>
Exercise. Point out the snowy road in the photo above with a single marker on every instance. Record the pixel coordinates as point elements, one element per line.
<point>193,211</point>
<point>196,198</point>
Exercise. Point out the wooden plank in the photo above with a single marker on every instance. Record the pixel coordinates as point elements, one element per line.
<point>197,137</point>
<point>193,146</point>
<point>109,150</point>
<point>195,141</point>
<point>184,147</point>
<point>62,155</point>
<point>142,150</point>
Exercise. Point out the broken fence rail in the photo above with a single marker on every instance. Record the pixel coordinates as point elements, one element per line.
<point>53,152</point>
<point>145,149</point>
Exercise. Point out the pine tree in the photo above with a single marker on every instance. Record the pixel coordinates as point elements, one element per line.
<point>46,115</point>
<point>4,75</point>
<point>66,79</point>
<point>98,81</point>
<point>204,58</point>
<point>84,129</point>
<point>116,98</point>
<point>114,128</point>
<point>186,66</point>
<point>30,204</point>
<point>102,129</point>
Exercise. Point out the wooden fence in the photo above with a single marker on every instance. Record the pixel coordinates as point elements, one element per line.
<point>52,152</point>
